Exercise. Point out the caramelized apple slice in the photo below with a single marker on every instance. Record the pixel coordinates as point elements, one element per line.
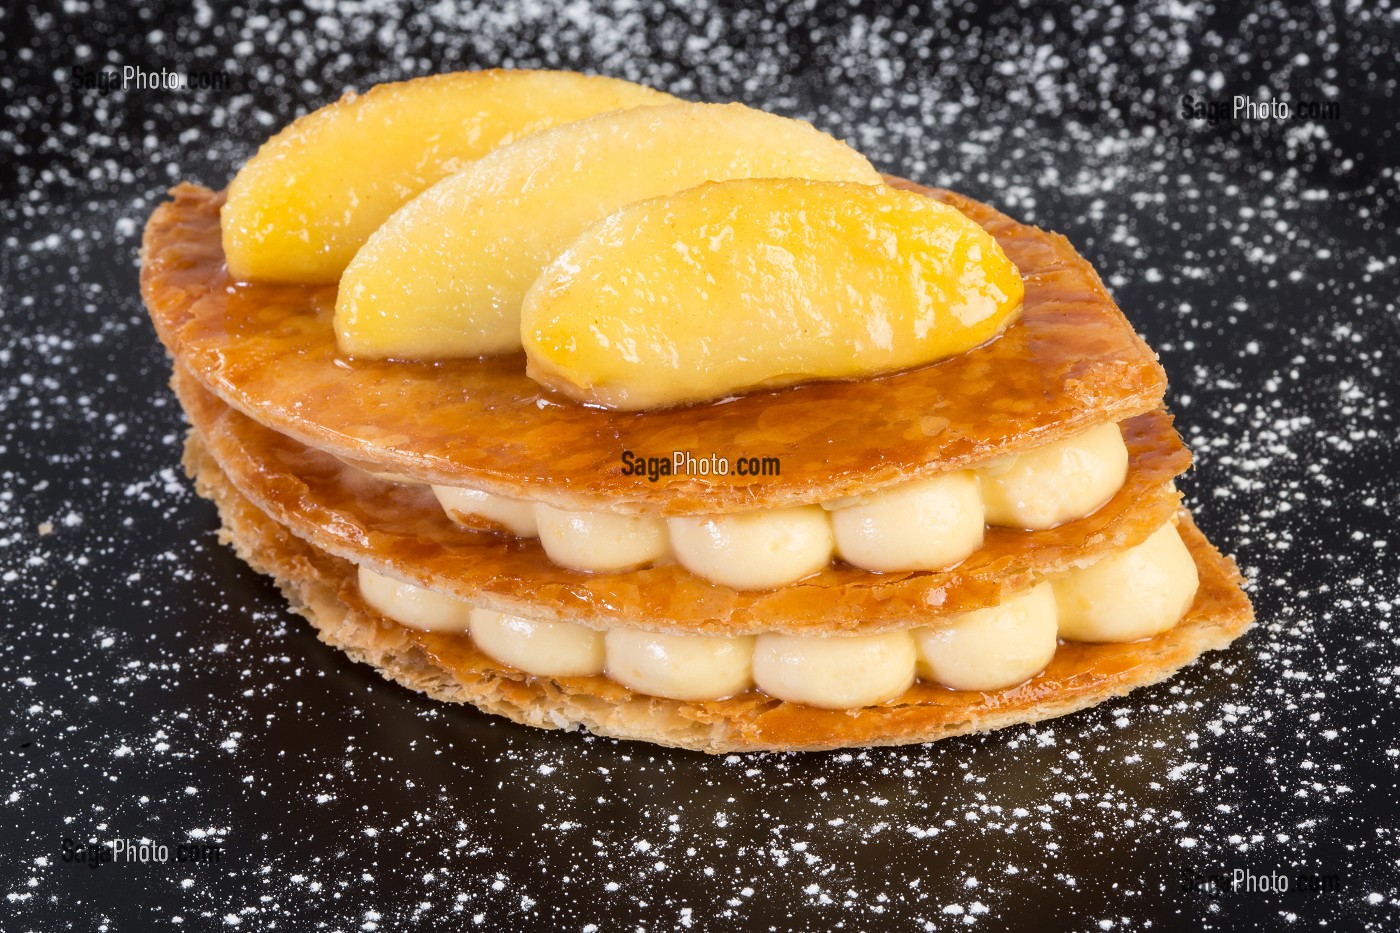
<point>736,286</point>
<point>301,207</point>
<point>446,274</point>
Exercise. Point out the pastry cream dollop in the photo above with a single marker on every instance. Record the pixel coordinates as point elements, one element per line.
<point>1132,594</point>
<point>930,523</point>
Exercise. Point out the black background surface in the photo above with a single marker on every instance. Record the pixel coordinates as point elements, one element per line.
<point>154,687</point>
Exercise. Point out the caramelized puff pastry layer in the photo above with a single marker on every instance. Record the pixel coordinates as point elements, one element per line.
<point>449,668</point>
<point>1072,361</point>
<point>402,531</point>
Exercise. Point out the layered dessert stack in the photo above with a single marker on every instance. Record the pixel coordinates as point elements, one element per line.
<point>557,396</point>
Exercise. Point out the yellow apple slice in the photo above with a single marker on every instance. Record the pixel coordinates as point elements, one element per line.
<point>736,286</point>
<point>301,208</point>
<point>444,277</point>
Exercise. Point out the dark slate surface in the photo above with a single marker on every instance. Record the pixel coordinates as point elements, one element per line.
<point>158,689</point>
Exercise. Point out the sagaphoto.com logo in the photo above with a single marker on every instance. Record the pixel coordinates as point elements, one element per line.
<point>1244,108</point>
<point>1267,882</point>
<point>136,78</point>
<point>94,853</point>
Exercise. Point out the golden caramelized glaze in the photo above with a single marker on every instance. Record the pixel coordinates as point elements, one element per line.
<point>403,530</point>
<point>451,668</point>
<point>1072,361</point>
<point>730,287</point>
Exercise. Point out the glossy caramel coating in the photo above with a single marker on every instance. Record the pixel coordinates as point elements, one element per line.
<point>402,531</point>
<point>1070,362</point>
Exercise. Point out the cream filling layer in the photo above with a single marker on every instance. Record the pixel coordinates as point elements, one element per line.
<point>923,524</point>
<point>1135,593</point>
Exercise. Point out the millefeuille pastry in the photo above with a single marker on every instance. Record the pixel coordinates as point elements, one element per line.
<point>678,422</point>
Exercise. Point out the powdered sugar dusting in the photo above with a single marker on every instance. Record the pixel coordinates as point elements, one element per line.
<point>161,691</point>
